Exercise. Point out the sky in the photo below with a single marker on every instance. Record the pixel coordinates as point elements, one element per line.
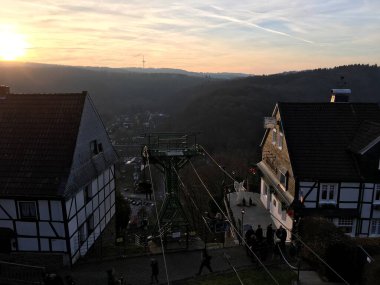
<point>247,36</point>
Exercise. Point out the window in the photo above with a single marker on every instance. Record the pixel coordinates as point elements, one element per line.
<point>283,177</point>
<point>328,193</point>
<point>28,210</point>
<point>279,140</point>
<point>87,193</point>
<point>345,224</point>
<point>274,136</point>
<point>90,224</point>
<point>96,147</point>
<point>377,193</point>
<point>375,227</point>
<point>81,234</point>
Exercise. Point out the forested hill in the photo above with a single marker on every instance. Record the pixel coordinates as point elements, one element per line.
<point>230,114</point>
<point>114,91</point>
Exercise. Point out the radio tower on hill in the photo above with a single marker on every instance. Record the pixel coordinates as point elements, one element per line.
<point>143,62</point>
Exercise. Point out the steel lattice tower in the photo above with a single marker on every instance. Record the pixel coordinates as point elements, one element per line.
<point>170,152</point>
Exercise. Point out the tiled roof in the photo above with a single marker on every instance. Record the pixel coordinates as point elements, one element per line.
<point>367,133</point>
<point>37,141</point>
<point>318,136</point>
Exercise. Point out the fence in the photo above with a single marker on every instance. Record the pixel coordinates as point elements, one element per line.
<point>20,273</point>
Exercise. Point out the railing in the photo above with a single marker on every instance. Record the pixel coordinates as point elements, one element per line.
<point>21,273</point>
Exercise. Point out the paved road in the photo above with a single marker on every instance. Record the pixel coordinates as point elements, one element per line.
<point>136,270</point>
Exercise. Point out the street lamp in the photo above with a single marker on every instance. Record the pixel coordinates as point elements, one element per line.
<point>242,221</point>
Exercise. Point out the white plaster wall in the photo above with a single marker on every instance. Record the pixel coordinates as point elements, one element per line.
<point>96,216</point>
<point>310,205</point>
<point>26,228</point>
<point>79,199</point>
<point>263,197</point>
<point>365,226</point>
<point>94,186</point>
<point>6,224</point>
<point>366,211</point>
<point>46,229</point>
<point>81,216</point>
<point>59,228</point>
<point>58,245</point>
<point>112,184</point>
<point>350,184</point>
<point>108,203</point>
<point>70,203</point>
<point>113,209</point>
<point>376,214</point>
<point>72,226</point>
<point>287,222</point>
<point>56,211</point>
<point>102,224</point>
<point>43,207</point>
<point>349,194</point>
<point>348,206</point>
<point>101,181</point>
<point>112,197</point>
<point>307,184</point>
<point>368,193</point>
<point>27,244</point>
<point>89,209</point>
<point>44,244</point>
<point>95,202</point>
<point>102,212</point>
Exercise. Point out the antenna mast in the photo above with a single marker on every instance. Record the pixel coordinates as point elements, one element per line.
<point>143,62</point>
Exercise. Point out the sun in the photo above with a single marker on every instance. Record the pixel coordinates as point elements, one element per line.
<point>12,44</point>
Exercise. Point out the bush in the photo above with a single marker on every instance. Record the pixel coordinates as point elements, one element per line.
<point>337,249</point>
<point>371,245</point>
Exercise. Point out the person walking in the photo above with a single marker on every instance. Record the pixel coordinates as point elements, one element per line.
<point>281,235</point>
<point>249,236</point>
<point>154,267</point>
<point>270,235</point>
<point>259,234</point>
<point>206,261</point>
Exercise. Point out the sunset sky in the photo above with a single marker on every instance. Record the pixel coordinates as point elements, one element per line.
<point>250,36</point>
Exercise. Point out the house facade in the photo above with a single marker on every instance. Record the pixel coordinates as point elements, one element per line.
<point>322,159</point>
<point>57,174</point>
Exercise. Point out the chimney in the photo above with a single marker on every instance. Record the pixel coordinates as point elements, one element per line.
<point>340,95</point>
<point>4,90</point>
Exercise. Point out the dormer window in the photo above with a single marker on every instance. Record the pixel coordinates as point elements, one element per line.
<point>96,147</point>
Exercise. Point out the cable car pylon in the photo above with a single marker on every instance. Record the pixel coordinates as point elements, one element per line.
<point>170,152</point>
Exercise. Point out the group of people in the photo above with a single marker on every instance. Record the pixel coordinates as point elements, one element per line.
<point>256,243</point>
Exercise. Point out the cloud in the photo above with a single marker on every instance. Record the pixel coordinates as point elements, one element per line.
<point>199,32</point>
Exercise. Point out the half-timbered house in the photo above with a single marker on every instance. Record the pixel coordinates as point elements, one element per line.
<point>57,176</point>
<point>323,159</point>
